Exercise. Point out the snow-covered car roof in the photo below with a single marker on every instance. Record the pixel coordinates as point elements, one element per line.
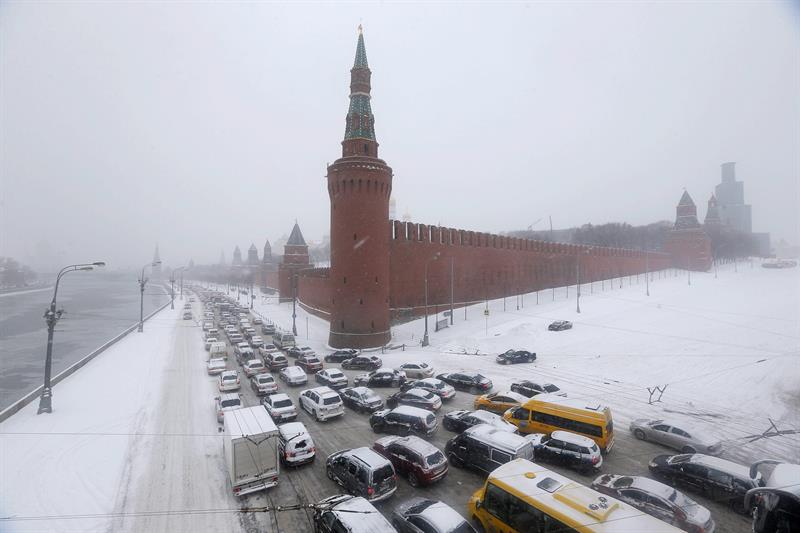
<point>440,515</point>
<point>517,397</point>
<point>323,391</point>
<point>409,410</point>
<point>296,370</point>
<point>216,362</point>
<point>638,482</point>
<point>369,456</point>
<point>421,446</point>
<point>253,362</point>
<point>280,396</point>
<point>361,516</point>
<point>264,377</point>
<point>433,382</point>
<point>228,374</point>
<point>498,436</point>
<point>420,393</point>
<point>291,429</point>
<point>573,438</point>
<point>722,465</point>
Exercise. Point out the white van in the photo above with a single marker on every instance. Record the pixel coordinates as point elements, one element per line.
<point>283,341</point>
<point>295,446</point>
<point>217,349</point>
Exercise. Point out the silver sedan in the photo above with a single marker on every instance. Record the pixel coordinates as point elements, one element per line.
<point>676,435</point>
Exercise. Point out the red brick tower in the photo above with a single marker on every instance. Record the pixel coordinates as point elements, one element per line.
<point>359,186</point>
<point>687,243</point>
<point>295,258</point>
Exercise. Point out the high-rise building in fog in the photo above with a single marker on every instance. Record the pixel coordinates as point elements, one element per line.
<point>733,211</point>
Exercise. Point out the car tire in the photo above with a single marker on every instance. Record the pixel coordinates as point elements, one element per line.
<point>639,434</point>
<point>377,428</point>
<point>446,424</point>
<point>330,474</point>
<point>688,449</point>
<point>737,506</point>
<point>412,480</point>
<point>316,416</point>
<point>506,362</point>
<point>456,461</point>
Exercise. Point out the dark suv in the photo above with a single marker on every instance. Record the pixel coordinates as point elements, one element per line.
<point>721,480</point>
<point>276,361</point>
<point>419,460</point>
<point>404,420</point>
<point>468,381</point>
<point>362,362</point>
<point>485,448</point>
<point>511,357</point>
<point>362,472</point>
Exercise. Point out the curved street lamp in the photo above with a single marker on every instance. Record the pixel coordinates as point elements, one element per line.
<point>51,316</point>
<point>142,283</point>
<point>425,340</point>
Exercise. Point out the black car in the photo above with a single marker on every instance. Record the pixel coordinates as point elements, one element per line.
<point>530,388</point>
<point>362,362</point>
<point>567,449</point>
<point>404,420</point>
<point>462,419</point>
<point>361,399</point>
<point>294,351</point>
<point>340,355</point>
<point>717,478</point>
<point>385,377</point>
<point>416,398</point>
<point>468,381</point>
<point>560,325</point>
<point>511,357</point>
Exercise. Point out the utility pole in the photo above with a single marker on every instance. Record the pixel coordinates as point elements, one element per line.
<point>51,317</point>
<point>142,283</point>
<point>294,304</point>
<point>452,306</point>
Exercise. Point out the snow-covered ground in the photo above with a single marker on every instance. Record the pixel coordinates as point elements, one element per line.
<point>133,436</point>
<point>727,347</point>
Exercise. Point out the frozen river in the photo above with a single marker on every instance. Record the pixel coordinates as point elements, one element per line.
<point>97,306</point>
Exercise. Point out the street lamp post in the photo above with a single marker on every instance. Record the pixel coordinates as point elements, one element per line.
<point>172,290</point>
<point>51,317</point>
<point>425,339</point>
<point>294,304</point>
<point>142,283</point>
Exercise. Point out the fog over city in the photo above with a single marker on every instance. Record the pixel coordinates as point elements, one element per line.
<point>200,126</point>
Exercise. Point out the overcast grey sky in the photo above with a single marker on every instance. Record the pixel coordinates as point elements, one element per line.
<point>200,126</point>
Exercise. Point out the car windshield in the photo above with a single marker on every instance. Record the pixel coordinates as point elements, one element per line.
<point>231,403</point>
<point>440,385</point>
<point>371,397</point>
<point>434,459</point>
<point>265,378</point>
<point>330,400</point>
<point>551,388</point>
<point>228,378</point>
<point>481,378</point>
<point>282,403</point>
<point>335,374</point>
<point>382,474</point>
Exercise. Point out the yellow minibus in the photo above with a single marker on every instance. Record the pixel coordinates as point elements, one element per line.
<point>546,413</point>
<point>524,497</point>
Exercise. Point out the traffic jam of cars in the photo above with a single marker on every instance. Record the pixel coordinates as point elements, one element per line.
<point>418,434</point>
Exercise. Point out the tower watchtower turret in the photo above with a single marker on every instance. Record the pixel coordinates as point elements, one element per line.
<point>359,187</point>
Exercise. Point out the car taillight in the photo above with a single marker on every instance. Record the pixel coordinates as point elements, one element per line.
<point>595,460</point>
<point>370,491</point>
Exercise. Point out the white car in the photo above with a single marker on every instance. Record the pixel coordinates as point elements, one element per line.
<point>279,407</point>
<point>256,341</point>
<point>229,380</point>
<point>207,326</point>
<point>257,321</point>
<point>227,402</point>
<point>295,446</point>
<point>253,367</point>
<point>209,340</point>
<point>266,349</point>
<point>215,366</point>
<point>293,375</point>
<point>307,351</point>
<point>417,370</point>
<point>263,384</point>
<point>322,403</point>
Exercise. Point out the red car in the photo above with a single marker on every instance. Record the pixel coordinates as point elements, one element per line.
<point>417,459</point>
<point>310,363</point>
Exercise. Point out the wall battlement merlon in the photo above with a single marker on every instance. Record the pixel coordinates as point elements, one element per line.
<point>407,231</point>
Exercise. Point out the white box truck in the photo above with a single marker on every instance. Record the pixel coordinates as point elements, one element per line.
<point>250,448</point>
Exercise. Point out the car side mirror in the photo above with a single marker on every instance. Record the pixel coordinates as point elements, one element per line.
<point>478,504</point>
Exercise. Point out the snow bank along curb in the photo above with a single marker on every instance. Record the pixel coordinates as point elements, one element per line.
<point>28,398</point>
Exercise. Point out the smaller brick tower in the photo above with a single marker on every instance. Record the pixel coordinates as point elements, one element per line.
<point>295,258</point>
<point>359,187</point>
<point>687,243</point>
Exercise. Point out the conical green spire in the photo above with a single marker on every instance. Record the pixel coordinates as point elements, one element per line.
<point>360,121</point>
<point>361,52</point>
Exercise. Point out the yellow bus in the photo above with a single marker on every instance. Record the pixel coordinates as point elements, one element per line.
<point>546,413</point>
<point>524,497</point>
